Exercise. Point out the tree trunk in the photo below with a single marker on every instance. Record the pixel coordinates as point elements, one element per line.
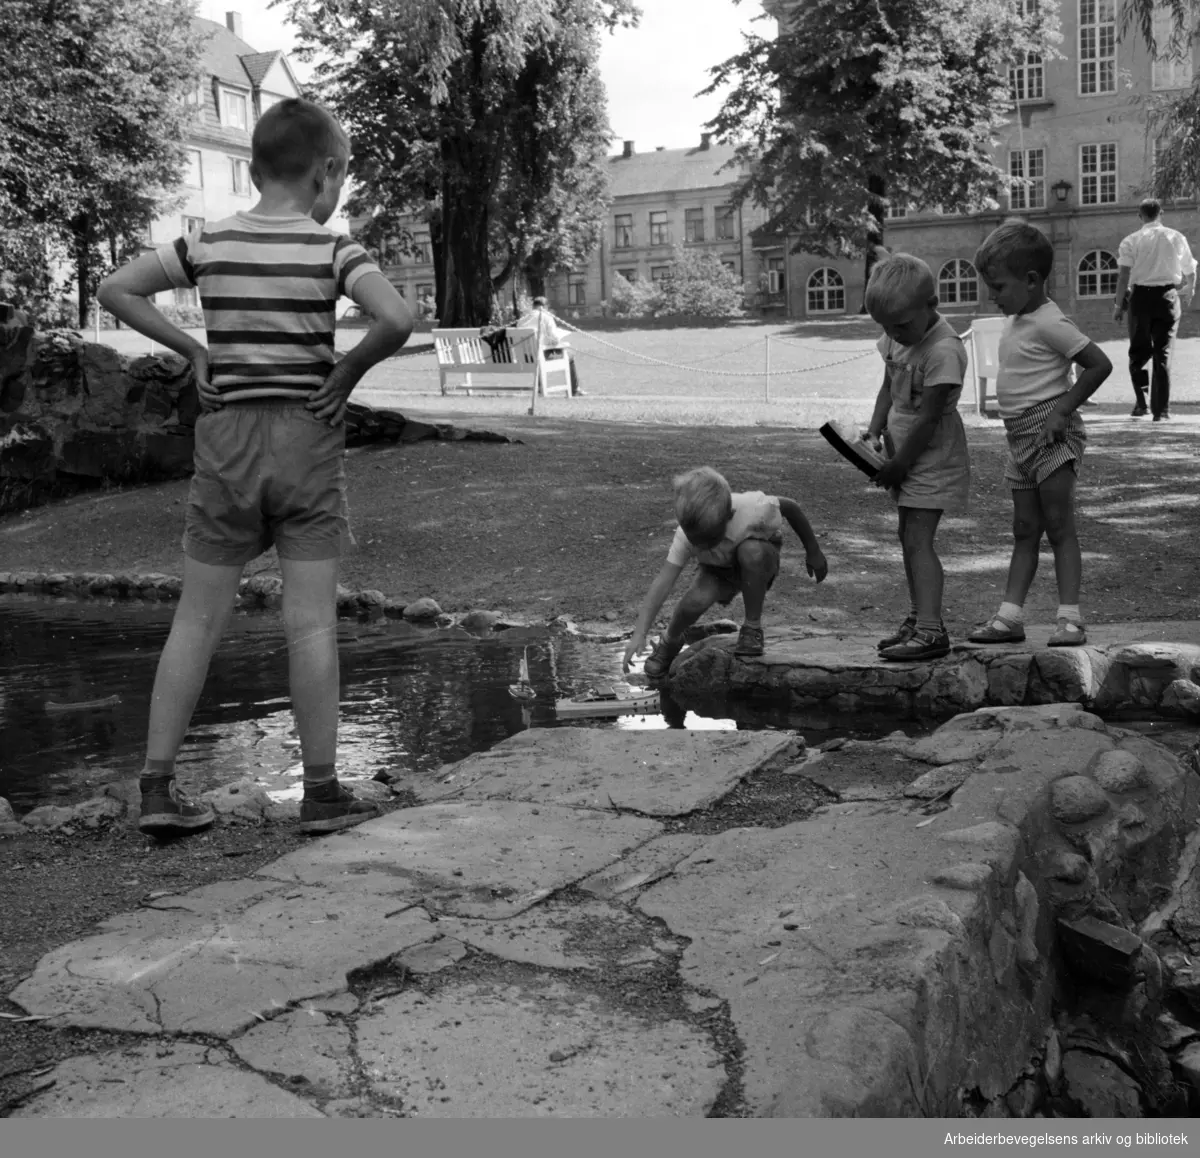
<point>82,231</point>
<point>876,192</point>
<point>467,290</point>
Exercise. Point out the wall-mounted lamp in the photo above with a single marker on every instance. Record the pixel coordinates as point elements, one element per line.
<point>1061,189</point>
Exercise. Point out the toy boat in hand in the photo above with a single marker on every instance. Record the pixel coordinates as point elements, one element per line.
<point>610,700</point>
<point>523,689</point>
<point>856,450</point>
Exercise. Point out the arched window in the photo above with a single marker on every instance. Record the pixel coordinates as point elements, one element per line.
<point>826,292</point>
<point>1097,276</point>
<point>958,282</point>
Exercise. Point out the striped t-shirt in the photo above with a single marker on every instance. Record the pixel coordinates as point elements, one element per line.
<point>268,287</point>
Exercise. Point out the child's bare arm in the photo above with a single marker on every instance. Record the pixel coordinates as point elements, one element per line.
<point>933,403</point>
<point>815,562</point>
<point>1096,367</point>
<point>883,403</point>
<point>391,326</point>
<point>126,295</point>
<point>660,588</point>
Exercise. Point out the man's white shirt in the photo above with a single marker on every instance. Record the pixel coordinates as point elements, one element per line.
<point>1156,255</point>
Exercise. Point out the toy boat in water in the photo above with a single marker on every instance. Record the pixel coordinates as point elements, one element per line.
<point>523,689</point>
<point>83,705</point>
<point>619,700</point>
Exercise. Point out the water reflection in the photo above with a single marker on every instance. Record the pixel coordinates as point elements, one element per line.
<point>412,699</point>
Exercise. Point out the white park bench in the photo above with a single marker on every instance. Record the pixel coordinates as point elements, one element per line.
<point>465,363</point>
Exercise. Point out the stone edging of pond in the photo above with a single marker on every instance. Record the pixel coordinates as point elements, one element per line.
<point>824,673</point>
<point>266,591</point>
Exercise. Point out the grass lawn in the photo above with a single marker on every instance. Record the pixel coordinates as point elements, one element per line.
<point>712,375</point>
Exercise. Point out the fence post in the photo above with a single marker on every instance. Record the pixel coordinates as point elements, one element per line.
<point>767,373</point>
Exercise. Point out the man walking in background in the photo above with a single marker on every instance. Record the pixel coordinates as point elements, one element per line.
<point>1156,282</point>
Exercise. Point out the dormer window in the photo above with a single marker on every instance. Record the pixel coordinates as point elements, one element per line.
<point>234,109</point>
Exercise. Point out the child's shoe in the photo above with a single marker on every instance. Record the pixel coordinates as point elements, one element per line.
<point>749,641</point>
<point>166,809</point>
<point>659,661</point>
<point>922,644</point>
<point>1068,634</point>
<point>339,808</point>
<point>998,630</point>
<point>902,634</point>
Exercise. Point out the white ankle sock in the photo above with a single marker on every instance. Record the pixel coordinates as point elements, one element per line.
<point>1013,612</point>
<point>1070,611</point>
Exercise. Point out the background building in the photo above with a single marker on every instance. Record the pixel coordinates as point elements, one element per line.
<point>1081,160</point>
<point>238,84</point>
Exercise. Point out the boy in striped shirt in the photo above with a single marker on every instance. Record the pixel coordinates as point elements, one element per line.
<point>270,443</point>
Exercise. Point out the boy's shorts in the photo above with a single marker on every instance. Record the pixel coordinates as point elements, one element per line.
<point>1029,465</point>
<point>729,579</point>
<point>267,473</point>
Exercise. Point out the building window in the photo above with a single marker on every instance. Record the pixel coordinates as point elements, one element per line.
<point>1172,67</point>
<point>577,289</point>
<point>193,174</point>
<point>234,110</point>
<point>1097,47</point>
<point>693,225</point>
<point>826,292</point>
<point>196,96</point>
<point>1027,80</point>
<point>1097,174</point>
<point>776,277</point>
<point>1027,168</point>
<point>660,273</point>
<point>1097,276</point>
<point>659,234</point>
<point>624,230</point>
<point>630,275</point>
<point>240,173</point>
<point>892,212</point>
<point>187,296</point>
<point>725,221</point>
<point>958,282</point>
<point>192,225</point>
<point>424,251</point>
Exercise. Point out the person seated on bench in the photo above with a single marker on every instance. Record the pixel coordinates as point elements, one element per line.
<point>551,337</point>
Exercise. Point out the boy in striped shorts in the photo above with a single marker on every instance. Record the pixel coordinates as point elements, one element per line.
<point>270,443</point>
<point>1045,432</point>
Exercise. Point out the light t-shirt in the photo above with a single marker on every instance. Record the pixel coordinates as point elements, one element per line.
<point>938,359</point>
<point>1036,351</point>
<point>755,516</point>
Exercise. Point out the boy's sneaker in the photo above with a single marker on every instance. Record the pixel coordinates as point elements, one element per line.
<point>340,809</point>
<point>922,644</point>
<point>749,641</point>
<point>659,661</point>
<point>167,809</point>
<point>902,634</point>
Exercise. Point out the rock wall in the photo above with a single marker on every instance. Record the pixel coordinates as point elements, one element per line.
<point>74,413</point>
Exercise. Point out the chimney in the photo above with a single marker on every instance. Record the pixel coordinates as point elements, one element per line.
<point>659,148</point>
<point>628,149</point>
<point>705,140</point>
<point>233,21</point>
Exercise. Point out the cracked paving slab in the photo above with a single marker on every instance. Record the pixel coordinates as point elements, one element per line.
<point>540,1048</point>
<point>662,773</point>
<point>220,957</point>
<point>161,1080</point>
<point>474,858</point>
<point>175,971</point>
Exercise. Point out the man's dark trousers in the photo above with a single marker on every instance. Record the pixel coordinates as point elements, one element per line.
<point>1153,319</point>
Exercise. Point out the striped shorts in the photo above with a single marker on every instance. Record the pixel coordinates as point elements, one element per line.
<point>1029,465</point>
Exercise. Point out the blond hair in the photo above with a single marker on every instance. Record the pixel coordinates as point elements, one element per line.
<point>898,283</point>
<point>703,503</point>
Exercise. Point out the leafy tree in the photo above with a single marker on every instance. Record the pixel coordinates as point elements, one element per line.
<point>1173,119</point>
<point>859,104</point>
<point>634,299</point>
<point>92,120</point>
<point>697,284</point>
<point>484,118</point>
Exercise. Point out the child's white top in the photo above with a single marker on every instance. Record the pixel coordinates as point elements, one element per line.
<point>1036,350</point>
<point>755,516</point>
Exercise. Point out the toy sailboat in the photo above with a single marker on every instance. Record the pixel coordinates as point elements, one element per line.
<point>523,689</point>
<point>610,700</point>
